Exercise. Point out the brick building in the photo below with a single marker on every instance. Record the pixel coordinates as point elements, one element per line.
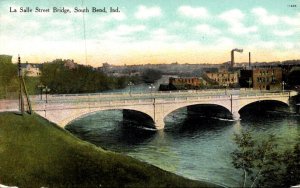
<point>223,78</point>
<point>267,78</point>
<point>185,83</point>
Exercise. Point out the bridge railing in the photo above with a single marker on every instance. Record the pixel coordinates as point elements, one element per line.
<point>119,96</point>
<point>148,97</point>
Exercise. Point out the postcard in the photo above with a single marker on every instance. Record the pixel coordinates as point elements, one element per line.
<point>116,93</point>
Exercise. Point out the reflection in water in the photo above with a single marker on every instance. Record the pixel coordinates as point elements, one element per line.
<point>190,145</point>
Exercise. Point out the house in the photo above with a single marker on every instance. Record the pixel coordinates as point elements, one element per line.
<point>31,69</point>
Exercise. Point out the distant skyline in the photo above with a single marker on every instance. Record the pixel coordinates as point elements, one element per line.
<point>195,31</point>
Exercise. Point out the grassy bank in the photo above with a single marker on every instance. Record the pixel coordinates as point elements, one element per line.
<point>35,153</point>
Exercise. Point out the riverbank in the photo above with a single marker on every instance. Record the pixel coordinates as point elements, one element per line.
<point>36,153</point>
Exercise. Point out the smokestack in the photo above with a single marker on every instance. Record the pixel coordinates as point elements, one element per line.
<point>232,58</point>
<point>232,55</point>
<point>249,60</point>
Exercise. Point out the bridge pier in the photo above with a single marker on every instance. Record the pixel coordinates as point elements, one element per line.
<point>236,115</point>
<point>159,124</point>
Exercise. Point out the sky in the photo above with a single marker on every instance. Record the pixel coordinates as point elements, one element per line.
<point>153,31</point>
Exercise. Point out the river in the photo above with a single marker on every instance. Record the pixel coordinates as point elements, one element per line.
<point>193,146</point>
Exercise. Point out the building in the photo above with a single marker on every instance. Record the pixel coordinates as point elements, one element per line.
<point>224,78</point>
<point>246,78</point>
<point>262,78</point>
<point>70,64</point>
<point>267,78</point>
<point>181,84</point>
<point>185,83</point>
<point>31,69</point>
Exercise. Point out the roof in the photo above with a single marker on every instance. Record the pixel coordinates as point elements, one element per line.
<point>37,65</point>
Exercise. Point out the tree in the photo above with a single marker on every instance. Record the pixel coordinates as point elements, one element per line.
<point>292,170</point>
<point>293,78</point>
<point>255,159</point>
<point>151,75</point>
<point>262,164</point>
<point>80,79</point>
<point>243,156</point>
<point>8,76</point>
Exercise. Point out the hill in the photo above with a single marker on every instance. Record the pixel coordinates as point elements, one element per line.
<point>36,153</point>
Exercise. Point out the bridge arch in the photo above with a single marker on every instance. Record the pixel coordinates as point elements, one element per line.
<point>224,106</point>
<point>246,103</point>
<point>90,111</point>
<point>177,106</point>
<point>263,105</point>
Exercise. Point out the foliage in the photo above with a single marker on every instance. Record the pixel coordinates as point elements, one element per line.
<point>151,75</point>
<point>243,157</point>
<point>8,78</point>
<point>262,164</point>
<point>9,81</point>
<point>293,78</point>
<point>32,85</point>
<point>36,153</point>
<point>80,79</point>
<point>292,170</point>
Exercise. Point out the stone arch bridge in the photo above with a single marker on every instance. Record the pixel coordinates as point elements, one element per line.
<point>63,109</point>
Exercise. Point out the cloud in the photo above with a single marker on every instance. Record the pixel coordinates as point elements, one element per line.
<point>177,24</point>
<point>127,30</point>
<point>193,12</point>
<point>240,29</point>
<point>284,33</point>
<point>225,42</point>
<point>264,17</point>
<point>207,30</point>
<point>5,19</point>
<point>122,32</point>
<point>60,22</point>
<point>119,16</point>
<point>33,25</point>
<point>114,17</point>
<point>266,44</point>
<point>100,22</point>
<point>234,18</point>
<point>145,13</point>
<point>288,45</point>
<point>161,34</point>
<point>292,21</point>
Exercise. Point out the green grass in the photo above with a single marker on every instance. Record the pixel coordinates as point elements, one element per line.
<point>35,153</point>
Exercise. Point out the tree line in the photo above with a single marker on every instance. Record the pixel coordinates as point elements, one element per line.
<point>8,78</point>
<point>79,79</point>
<point>63,79</point>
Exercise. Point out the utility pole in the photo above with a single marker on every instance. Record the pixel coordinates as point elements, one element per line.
<point>21,100</point>
<point>41,86</point>
<point>22,88</point>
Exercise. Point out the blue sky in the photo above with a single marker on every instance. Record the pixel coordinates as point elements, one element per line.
<point>194,31</point>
